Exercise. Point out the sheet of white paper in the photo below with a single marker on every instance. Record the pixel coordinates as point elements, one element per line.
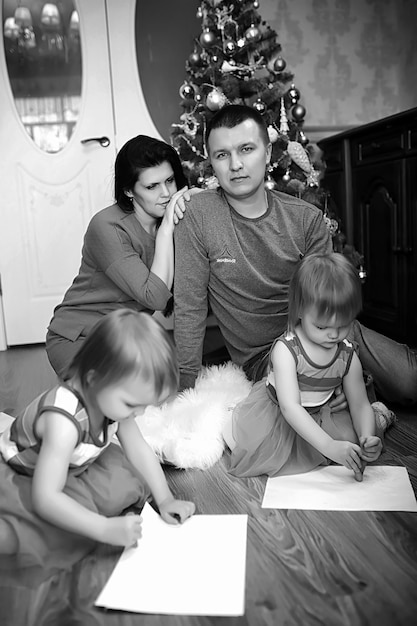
<point>196,568</point>
<point>333,488</point>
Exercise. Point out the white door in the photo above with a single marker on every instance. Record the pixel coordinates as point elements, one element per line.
<point>47,199</point>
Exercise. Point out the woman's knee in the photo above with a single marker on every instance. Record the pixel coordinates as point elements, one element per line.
<point>60,352</point>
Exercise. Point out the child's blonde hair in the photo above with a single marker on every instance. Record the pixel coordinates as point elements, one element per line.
<point>126,343</point>
<point>330,284</point>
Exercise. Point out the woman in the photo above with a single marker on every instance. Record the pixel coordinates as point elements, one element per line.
<point>127,256</point>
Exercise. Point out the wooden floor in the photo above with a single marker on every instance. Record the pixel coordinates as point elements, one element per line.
<point>303,567</point>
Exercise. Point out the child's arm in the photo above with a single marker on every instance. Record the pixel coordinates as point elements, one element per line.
<point>143,459</point>
<point>361,411</point>
<point>344,452</point>
<point>59,439</point>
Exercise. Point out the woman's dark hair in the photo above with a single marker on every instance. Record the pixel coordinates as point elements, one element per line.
<point>328,283</point>
<point>136,155</point>
<point>232,115</point>
<point>126,343</point>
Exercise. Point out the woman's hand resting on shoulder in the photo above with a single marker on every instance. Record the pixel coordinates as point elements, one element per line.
<point>178,201</point>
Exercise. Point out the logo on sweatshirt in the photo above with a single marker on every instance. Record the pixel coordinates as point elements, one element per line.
<point>225,257</point>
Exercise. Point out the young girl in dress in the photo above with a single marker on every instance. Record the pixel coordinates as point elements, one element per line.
<point>286,425</point>
<point>63,484</point>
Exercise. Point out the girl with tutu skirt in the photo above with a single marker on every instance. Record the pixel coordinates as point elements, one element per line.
<point>286,424</point>
<point>63,484</point>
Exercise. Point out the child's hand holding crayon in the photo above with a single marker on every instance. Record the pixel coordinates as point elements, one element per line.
<point>371,448</point>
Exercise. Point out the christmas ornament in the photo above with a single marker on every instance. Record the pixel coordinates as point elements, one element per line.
<point>229,47</point>
<point>299,156</point>
<point>286,178</point>
<point>241,42</point>
<point>194,59</point>
<point>215,100</point>
<point>212,182</point>
<point>298,112</point>
<point>190,124</point>
<point>228,66</point>
<point>199,13</point>
<point>256,4</point>
<point>279,64</point>
<point>272,134</point>
<point>313,178</point>
<point>331,224</point>
<point>259,106</point>
<point>253,34</point>
<point>207,38</point>
<point>293,94</point>
<point>186,91</point>
<point>283,120</point>
<point>270,183</point>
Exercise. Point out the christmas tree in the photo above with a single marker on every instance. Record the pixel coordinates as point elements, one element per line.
<point>238,59</point>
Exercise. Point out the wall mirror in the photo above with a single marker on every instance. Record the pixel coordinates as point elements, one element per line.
<point>43,56</point>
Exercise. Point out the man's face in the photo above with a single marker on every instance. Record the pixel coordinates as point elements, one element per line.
<point>239,157</point>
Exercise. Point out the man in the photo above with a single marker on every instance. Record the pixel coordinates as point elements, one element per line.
<point>236,250</point>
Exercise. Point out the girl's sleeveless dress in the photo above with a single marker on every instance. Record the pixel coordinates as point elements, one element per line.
<point>265,442</point>
<point>100,478</point>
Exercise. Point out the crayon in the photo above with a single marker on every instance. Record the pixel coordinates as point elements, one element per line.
<point>359,475</point>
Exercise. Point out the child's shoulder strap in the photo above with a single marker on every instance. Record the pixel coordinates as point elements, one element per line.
<point>62,399</point>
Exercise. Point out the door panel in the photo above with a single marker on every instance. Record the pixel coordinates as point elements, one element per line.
<point>48,199</point>
<point>130,110</point>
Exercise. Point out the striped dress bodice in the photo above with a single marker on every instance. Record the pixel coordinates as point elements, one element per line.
<point>316,382</point>
<point>20,445</point>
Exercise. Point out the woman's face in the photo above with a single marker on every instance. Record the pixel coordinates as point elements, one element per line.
<point>153,190</point>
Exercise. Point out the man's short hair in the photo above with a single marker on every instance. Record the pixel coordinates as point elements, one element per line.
<point>232,115</point>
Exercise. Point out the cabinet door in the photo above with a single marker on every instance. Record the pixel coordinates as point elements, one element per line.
<point>410,250</point>
<point>379,216</point>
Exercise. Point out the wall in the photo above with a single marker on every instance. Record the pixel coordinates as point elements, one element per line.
<point>355,61</point>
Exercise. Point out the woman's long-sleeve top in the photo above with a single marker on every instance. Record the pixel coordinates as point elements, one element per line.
<point>114,273</point>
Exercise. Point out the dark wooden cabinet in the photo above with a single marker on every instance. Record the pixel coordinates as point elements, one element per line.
<point>372,176</point>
